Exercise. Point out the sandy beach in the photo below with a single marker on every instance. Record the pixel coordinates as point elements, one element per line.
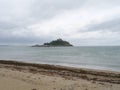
<point>28,76</point>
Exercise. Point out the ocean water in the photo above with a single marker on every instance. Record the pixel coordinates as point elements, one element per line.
<point>93,57</point>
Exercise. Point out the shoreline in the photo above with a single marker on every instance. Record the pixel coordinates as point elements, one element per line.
<point>66,71</point>
<point>87,67</point>
<point>31,76</point>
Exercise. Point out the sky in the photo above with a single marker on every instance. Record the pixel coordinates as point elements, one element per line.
<point>81,22</point>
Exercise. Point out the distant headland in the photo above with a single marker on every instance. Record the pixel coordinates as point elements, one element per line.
<point>54,43</point>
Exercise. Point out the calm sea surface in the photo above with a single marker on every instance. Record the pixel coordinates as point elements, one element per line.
<point>104,58</point>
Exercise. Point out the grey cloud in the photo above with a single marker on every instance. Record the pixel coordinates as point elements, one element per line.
<point>43,9</point>
<point>15,16</point>
<point>7,25</point>
<point>6,39</point>
<point>110,25</point>
<point>35,11</point>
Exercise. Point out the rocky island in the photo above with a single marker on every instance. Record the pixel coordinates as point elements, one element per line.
<point>54,43</point>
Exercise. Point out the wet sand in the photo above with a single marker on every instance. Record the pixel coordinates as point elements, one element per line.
<point>28,76</point>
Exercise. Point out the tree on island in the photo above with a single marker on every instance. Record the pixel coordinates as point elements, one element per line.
<point>58,42</point>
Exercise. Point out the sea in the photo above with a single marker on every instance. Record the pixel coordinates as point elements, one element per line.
<point>92,57</point>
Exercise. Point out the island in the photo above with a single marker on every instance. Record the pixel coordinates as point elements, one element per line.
<point>54,43</point>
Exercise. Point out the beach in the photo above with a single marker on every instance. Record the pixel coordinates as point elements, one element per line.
<point>29,76</point>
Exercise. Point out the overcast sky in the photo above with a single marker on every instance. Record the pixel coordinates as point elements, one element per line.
<point>81,22</point>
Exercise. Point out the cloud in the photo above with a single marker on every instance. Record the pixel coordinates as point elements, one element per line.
<point>45,9</point>
<point>79,23</point>
<point>36,21</point>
